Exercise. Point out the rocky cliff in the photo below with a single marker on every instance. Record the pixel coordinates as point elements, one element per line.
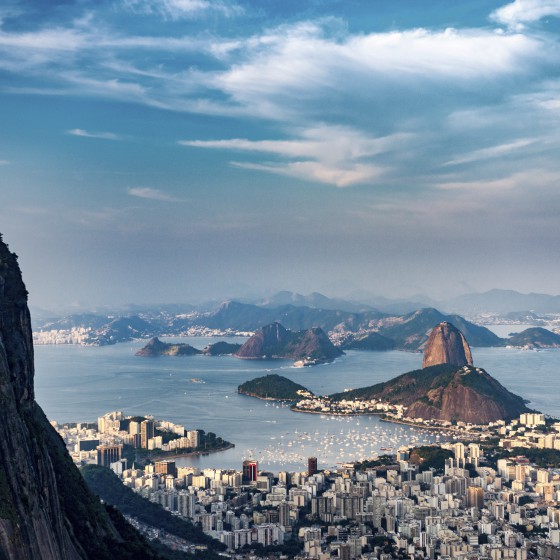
<point>46,510</point>
<point>446,345</point>
<point>274,341</point>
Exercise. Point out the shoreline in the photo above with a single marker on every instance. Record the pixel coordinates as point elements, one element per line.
<point>170,455</point>
<point>265,398</point>
<point>384,418</point>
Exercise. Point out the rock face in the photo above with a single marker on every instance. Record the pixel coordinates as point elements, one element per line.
<point>156,347</point>
<point>447,345</point>
<point>274,341</point>
<point>46,510</point>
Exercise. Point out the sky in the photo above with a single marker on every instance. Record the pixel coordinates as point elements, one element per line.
<point>182,150</point>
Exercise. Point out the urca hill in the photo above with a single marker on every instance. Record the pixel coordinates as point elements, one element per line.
<point>448,387</point>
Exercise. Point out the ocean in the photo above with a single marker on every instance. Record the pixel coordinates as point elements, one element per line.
<point>76,383</point>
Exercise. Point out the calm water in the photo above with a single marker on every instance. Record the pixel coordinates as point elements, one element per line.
<point>76,383</point>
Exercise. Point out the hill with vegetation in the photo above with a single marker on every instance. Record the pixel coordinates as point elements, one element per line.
<point>273,387</point>
<point>107,485</point>
<point>429,457</point>
<point>445,392</point>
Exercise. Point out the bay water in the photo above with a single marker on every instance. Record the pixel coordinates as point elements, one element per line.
<point>78,384</point>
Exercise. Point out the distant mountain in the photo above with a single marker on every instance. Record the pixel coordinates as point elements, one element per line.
<point>84,320</point>
<point>535,337</point>
<point>122,329</point>
<point>274,341</point>
<point>447,345</point>
<point>156,347</point>
<point>249,317</point>
<point>313,300</point>
<point>446,392</point>
<point>368,341</point>
<point>503,301</point>
<point>273,387</point>
<point>410,332</point>
<point>357,330</point>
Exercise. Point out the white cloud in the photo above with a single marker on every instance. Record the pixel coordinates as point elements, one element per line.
<point>4,162</point>
<point>520,12</point>
<point>101,135</point>
<point>152,194</point>
<point>321,172</point>
<point>534,178</point>
<point>492,152</point>
<point>182,9</point>
<point>327,154</point>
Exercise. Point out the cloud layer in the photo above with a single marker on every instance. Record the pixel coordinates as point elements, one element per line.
<point>301,125</point>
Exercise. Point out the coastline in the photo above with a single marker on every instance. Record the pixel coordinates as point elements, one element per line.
<point>382,416</point>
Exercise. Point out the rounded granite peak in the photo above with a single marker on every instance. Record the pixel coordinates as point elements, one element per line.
<point>447,345</point>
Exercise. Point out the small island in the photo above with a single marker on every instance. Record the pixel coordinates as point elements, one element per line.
<point>310,347</point>
<point>156,347</point>
<point>535,338</point>
<point>274,387</point>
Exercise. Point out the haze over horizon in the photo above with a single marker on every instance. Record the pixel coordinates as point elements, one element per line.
<point>183,150</point>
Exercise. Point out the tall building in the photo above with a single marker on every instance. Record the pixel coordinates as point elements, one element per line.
<point>311,466</point>
<point>193,438</point>
<point>475,497</point>
<point>107,454</point>
<point>284,514</point>
<point>147,431</point>
<point>165,468</point>
<point>459,451</point>
<point>250,470</point>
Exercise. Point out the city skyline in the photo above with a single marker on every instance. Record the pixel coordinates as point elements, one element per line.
<point>180,150</point>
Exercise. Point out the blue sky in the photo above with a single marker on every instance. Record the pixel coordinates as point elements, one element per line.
<point>177,150</point>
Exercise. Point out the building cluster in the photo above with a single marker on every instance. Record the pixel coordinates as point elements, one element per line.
<point>102,443</point>
<point>324,405</point>
<point>468,511</point>
<point>88,336</point>
<point>530,431</point>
